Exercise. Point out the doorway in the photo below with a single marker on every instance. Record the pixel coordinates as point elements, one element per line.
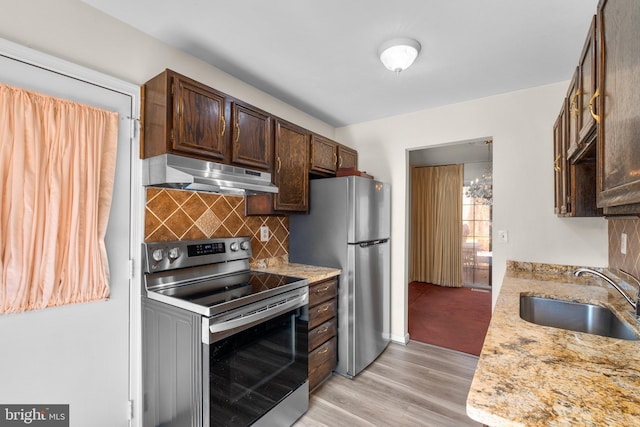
<point>427,322</point>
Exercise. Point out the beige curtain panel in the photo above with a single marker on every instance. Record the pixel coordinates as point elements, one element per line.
<point>57,165</point>
<point>436,225</point>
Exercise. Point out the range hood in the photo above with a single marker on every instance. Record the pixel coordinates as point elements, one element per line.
<point>170,170</point>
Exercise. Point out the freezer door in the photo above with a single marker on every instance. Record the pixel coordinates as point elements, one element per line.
<point>370,321</point>
<point>370,212</point>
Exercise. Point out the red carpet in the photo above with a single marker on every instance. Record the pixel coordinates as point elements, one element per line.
<point>454,318</point>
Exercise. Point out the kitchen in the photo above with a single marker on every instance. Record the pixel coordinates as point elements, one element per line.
<point>68,30</point>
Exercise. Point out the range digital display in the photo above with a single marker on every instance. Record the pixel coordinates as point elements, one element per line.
<point>206,249</point>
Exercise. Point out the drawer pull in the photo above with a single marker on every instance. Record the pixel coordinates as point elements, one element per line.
<point>324,350</point>
<point>322,290</point>
<point>322,331</point>
<point>322,309</point>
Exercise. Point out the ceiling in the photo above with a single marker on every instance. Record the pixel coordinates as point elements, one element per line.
<point>321,56</point>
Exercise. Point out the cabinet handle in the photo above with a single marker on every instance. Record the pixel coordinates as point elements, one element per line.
<point>324,350</point>
<point>323,330</point>
<point>322,290</point>
<point>279,165</point>
<point>335,158</point>
<point>594,115</point>
<point>322,309</point>
<point>574,104</point>
<point>556,167</point>
<point>237,132</point>
<point>223,126</point>
<point>340,164</point>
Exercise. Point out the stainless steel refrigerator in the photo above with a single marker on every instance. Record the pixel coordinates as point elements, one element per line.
<point>348,227</point>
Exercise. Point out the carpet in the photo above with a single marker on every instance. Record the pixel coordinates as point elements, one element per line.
<point>453,318</point>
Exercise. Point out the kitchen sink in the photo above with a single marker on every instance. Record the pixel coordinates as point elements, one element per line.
<point>574,316</point>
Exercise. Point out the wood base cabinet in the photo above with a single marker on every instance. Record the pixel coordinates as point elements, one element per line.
<point>323,310</point>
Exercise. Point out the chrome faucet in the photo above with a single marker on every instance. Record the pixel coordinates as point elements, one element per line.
<point>634,304</point>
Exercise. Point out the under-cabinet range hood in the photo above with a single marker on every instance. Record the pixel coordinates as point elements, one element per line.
<point>170,170</point>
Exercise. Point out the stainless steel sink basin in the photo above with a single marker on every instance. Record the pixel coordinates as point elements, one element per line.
<point>574,316</point>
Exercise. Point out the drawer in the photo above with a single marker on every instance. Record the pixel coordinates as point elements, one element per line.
<point>322,333</point>
<point>322,361</point>
<point>322,312</point>
<point>322,291</point>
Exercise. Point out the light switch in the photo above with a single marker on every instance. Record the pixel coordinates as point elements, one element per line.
<point>503,235</point>
<point>623,243</point>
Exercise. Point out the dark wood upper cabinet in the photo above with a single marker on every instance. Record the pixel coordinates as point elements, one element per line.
<point>291,163</point>
<point>587,86</point>
<point>561,186</point>
<point>251,136</point>
<point>618,156</point>
<point>572,110</point>
<point>574,181</point>
<point>324,156</point>
<point>347,157</point>
<point>183,116</point>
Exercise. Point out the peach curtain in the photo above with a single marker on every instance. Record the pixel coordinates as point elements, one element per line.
<point>436,225</point>
<point>57,165</point>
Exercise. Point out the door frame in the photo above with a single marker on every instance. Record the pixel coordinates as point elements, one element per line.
<point>137,196</point>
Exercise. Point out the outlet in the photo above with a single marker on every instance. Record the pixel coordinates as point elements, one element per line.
<point>623,243</point>
<point>503,236</point>
<point>264,233</point>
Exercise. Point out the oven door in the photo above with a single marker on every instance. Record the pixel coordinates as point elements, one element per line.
<point>256,360</point>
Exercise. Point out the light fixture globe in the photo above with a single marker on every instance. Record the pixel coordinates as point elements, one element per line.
<point>398,54</point>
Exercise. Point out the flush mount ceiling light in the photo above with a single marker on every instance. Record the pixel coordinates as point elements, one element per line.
<point>398,54</point>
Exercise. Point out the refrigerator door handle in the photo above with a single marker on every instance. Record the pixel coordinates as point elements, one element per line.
<point>373,243</point>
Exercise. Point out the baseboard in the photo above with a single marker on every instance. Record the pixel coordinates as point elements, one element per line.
<point>400,339</point>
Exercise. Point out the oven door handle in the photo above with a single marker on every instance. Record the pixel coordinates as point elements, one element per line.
<point>222,329</point>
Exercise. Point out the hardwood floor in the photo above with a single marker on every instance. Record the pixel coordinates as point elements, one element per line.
<point>413,385</point>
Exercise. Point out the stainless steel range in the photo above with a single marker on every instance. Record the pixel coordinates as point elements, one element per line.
<point>222,345</point>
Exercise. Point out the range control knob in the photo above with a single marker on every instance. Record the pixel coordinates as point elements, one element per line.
<point>234,246</point>
<point>157,255</point>
<point>244,245</point>
<point>174,253</point>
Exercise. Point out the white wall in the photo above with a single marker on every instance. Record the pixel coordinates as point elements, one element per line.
<point>72,30</point>
<point>521,126</point>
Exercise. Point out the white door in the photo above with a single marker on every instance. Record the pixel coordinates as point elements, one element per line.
<point>76,354</point>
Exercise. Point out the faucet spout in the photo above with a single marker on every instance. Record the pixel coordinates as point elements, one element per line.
<point>634,304</point>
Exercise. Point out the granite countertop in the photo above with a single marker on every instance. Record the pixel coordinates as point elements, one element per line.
<point>282,266</point>
<point>531,375</point>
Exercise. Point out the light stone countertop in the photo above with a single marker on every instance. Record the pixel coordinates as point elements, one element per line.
<point>282,266</point>
<point>531,375</point>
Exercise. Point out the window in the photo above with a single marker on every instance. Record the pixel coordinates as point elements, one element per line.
<point>476,241</point>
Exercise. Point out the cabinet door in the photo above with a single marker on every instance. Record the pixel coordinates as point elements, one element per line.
<point>587,86</point>
<point>291,167</point>
<point>199,123</point>
<point>559,164</point>
<point>251,140</point>
<point>347,157</point>
<point>573,117</point>
<point>324,157</point>
<point>619,111</point>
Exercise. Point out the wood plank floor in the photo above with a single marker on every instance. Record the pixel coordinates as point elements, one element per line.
<point>413,385</point>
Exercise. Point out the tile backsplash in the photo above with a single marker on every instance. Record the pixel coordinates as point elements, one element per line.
<point>188,215</point>
<point>631,260</point>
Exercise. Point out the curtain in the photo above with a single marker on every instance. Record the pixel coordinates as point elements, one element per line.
<point>436,225</point>
<point>57,166</point>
